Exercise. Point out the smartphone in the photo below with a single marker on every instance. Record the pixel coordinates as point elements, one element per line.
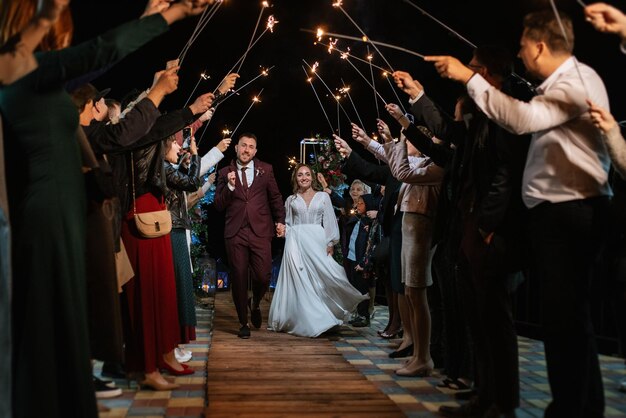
<point>187,133</point>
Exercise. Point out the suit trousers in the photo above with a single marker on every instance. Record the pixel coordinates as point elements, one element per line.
<point>566,239</point>
<point>487,305</point>
<point>248,252</point>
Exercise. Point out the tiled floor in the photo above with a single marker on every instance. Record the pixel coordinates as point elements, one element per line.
<point>187,401</point>
<point>417,397</point>
<point>420,397</point>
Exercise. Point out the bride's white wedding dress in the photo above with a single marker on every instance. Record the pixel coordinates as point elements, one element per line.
<point>312,292</point>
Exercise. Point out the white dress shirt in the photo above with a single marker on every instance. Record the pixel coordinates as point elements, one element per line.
<point>567,159</point>
<point>249,174</point>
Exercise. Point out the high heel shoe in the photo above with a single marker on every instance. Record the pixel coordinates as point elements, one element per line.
<point>422,371</point>
<point>405,352</point>
<point>185,371</point>
<point>154,385</point>
<point>389,335</point>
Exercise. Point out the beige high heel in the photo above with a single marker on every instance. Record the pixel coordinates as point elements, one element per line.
<point>154,385</point>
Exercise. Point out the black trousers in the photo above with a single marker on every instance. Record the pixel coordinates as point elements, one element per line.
<point>566,239</point>
<point>487,303</point>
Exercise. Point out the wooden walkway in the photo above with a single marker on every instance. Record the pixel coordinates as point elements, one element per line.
<point>279,375</point>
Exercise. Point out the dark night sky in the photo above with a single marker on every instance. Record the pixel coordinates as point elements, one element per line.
<point>289,111</point>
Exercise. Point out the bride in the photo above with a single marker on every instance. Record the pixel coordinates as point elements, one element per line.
<point>312,293</point>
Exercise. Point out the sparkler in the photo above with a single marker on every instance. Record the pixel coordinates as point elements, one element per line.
<point>203,76</point>
<point>337,4</point>
<point>471,44</point>
<point>365,39</point>
<point>582,3</point>
<point>347,53</point>
<point>263,6</point>
<point>558,18</point>
<point>225,132</point>
<point>346,90</point>
<point>206,16</point>
<point>364,78</point>
<point>370,57</point>
<point>314,70</point>
<point>264,73</point>
<point>310,81</point>
<point>255,99</point>
<point>393,88</point>
<point>292,162</point>
<point>271,22</point>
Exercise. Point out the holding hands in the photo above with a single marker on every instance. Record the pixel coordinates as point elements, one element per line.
<point>280,230</point>
<point>232,178</point>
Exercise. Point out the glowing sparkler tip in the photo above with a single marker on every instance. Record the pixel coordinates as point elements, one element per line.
<point>255,99</point>
<point>370,57</point>
<point>226,131</point>
<point>315,65</point>
<point>265,4</point>
<point>271,21</point>
<point>320,33</point>
<point>385,74</point>
<point>364,38</point>
<point>310,79</point>
<point>331,44</point>
<point>337,3</point>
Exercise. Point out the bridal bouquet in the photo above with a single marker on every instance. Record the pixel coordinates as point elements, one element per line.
<point>328,162</point>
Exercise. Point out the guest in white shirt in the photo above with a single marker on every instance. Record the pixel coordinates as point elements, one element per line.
<point>566,187</point>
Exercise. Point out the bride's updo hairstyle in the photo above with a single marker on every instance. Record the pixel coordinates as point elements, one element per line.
<point>315,185</point>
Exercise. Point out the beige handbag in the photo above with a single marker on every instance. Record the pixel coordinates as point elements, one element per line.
<point>150,224</point>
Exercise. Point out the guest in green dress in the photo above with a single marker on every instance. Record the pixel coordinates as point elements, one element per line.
<point>47,198</point>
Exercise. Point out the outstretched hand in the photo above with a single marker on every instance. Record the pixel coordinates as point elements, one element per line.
<point>359,135</point>
<point>450,67</point>
<point>342,147</point>
<point>606,18</point>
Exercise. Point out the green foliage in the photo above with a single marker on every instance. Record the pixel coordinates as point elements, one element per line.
<point>328,162</point>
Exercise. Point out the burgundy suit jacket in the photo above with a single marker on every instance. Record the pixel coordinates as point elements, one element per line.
<point>263,203</point>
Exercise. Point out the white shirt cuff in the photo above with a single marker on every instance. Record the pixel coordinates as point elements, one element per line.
<point>231,188</point>
<point>419,96</point>
<point>477,85</point>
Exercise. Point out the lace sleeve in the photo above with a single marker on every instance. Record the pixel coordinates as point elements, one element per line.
<point>329,221</point>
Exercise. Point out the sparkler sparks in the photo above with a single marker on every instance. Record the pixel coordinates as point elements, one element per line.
<point>271,21</point>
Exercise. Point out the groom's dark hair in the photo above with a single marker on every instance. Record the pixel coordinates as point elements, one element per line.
<point>248,135</point>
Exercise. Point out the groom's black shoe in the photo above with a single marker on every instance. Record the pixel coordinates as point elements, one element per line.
<point>255,315</point>
<point>244,332</point>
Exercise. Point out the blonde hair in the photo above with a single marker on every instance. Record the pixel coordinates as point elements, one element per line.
<point>366,189</point>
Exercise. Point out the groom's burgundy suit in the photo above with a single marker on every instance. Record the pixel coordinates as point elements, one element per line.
<point>249,228</point>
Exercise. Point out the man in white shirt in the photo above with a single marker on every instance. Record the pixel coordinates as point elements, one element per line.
<point>566,187</point>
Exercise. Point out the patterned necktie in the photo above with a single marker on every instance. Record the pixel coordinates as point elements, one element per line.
<point>244,178</point>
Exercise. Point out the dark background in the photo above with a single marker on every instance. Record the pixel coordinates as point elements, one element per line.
<point>289,110</point>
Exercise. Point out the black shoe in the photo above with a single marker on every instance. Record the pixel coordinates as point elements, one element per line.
<point>113,370</point>
<point>405,352</point>
<point>255,315</point>
<point>471,409</point>
<point>244,332</point>
<point>495,412</point>
<point>466,395</point>
<point>104,390</point>
<point>361,322</point>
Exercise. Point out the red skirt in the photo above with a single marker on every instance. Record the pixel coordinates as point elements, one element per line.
<point>151,312</point>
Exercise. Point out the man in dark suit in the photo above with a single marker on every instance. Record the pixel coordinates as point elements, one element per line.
<point>247,191</point>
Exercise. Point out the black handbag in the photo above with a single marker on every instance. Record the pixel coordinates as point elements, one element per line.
<point>381,252</point>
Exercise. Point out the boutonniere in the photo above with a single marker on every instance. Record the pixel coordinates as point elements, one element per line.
<point>259,172</point>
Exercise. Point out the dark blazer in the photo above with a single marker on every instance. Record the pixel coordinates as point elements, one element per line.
<point>262,205</point>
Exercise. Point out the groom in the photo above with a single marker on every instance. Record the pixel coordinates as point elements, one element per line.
<point>247,191</point>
